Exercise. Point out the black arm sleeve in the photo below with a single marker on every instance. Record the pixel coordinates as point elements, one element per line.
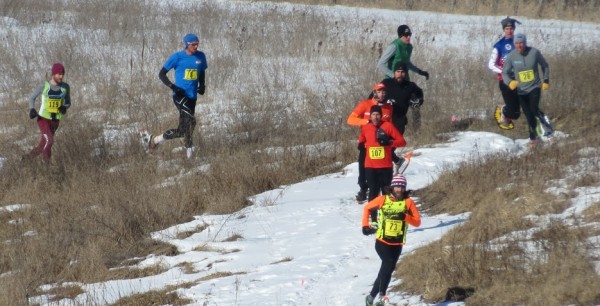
<point>201,79</point>
<point>67,101</point>
<point>418,91</point>
<point>162,75</point>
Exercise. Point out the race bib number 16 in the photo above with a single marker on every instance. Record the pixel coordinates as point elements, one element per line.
<point>191,74</point>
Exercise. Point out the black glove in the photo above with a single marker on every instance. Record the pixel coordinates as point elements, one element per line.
<point>424,73</point>
<point>367,230</point>
<point>201,90</point>
<point>361,146</point>
<point>62,109</point>
<point>383,138</point>
<point>32,113</point>
<point>401,216</point>
<point>177,90</point>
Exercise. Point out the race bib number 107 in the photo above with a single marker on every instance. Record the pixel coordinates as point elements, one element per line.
<point>376,153</point>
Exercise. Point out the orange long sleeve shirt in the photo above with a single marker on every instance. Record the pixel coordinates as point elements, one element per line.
<point>362,113</point>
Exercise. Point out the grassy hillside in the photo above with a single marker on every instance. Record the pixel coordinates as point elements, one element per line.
<point>273,91</point>
<point>582,10</point>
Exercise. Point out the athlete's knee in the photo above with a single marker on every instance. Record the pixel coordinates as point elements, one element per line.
<point>192,122</point>
<point>48,139</point>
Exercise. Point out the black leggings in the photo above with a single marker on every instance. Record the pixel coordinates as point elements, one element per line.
<point>389,255</point>
<point>511,100</point>
<point>187,122</point>
<point>362,177</point>
<point>530,103</point>
<point>378,179</point>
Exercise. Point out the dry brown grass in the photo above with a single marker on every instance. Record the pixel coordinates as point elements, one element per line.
<point>581,10</point>
<point>158,297</point>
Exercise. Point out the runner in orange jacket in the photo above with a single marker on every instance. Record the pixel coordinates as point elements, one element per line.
<point>396,211</point>
<point>361,116</point>
<point>380,138</point>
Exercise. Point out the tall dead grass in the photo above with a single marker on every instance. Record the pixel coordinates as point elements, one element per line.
<point>581,10</point>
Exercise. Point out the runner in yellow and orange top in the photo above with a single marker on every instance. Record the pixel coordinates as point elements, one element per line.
<point>396,211</point>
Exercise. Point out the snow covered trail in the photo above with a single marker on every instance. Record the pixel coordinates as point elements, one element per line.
<point>297,245</point>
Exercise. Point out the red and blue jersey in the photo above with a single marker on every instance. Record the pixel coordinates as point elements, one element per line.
<point>501,49</point>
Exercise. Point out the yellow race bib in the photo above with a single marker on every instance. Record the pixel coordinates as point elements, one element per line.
<point>190,74</point>
<point>376,153</point>
<point>393,228</point>
<point>53,105</point>
<point>526,76</point>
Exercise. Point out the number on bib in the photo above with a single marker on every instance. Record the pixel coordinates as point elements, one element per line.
<point>376,153</point>
<point>53,105</point>
<point>191,74</point>
<point>526,76</point>
<point>393,228</point>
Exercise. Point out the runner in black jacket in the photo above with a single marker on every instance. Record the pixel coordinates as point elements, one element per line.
<point>402,94</point>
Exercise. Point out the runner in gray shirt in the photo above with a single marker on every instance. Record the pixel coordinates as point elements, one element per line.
<point>520,72</point>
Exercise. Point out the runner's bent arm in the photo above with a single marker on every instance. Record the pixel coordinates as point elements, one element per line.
<point>545,67</point>
<point>493,60</point>
<point>162,75</point>
<point>356,116</point>
<point>373,204</point>
<point>67,100</point>
<point>201,79</point>
<point>36,93</point>
<point>508,67</point>
<point>393,132</point>
<point>386,56</point>
<point>414,68</point>
<point>412,213</point>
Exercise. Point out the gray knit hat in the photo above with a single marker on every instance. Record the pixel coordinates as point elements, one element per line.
<point>520,38</point>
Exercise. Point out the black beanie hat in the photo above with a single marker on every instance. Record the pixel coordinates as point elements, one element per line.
<point>375,109</point>
<point>509,22</point>
<point>404,30</point>
<point>400,66</point>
